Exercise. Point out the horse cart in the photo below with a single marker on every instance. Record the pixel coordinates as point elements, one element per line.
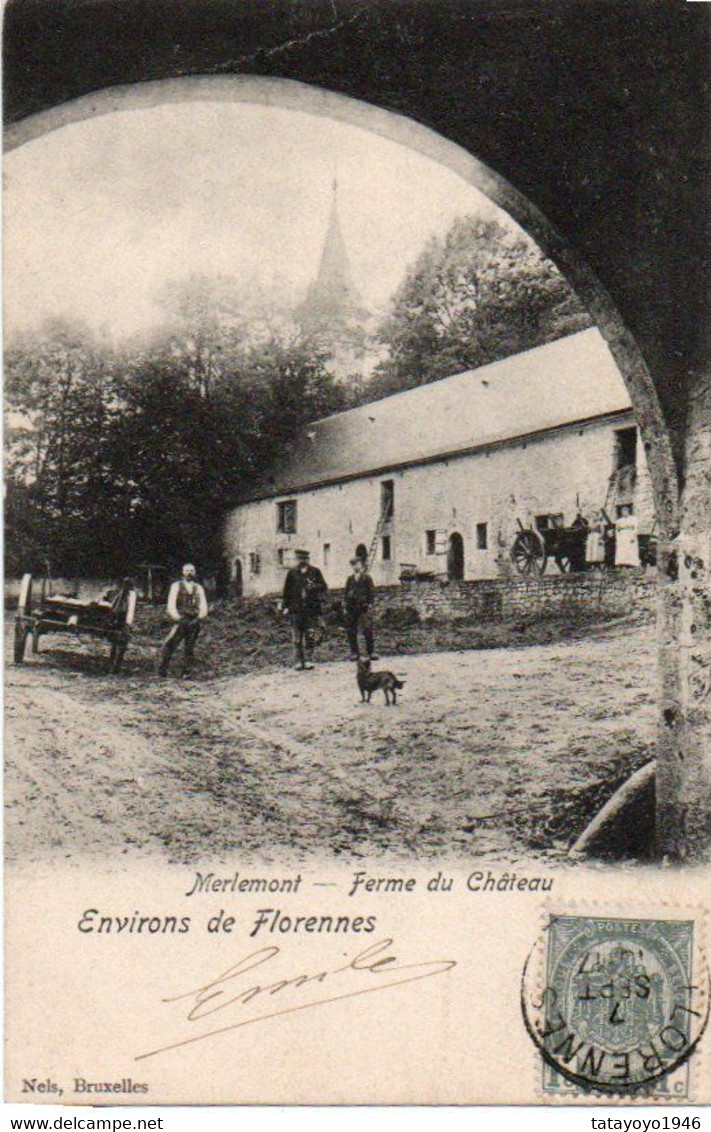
<point>40,612</point>
<point>532,548</point>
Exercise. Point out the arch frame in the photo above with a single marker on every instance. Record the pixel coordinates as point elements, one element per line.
<point>298,96</point>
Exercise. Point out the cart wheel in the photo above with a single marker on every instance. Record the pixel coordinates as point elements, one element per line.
<point>529,553</point>
<point>24,603</point>
<point>22,632</point>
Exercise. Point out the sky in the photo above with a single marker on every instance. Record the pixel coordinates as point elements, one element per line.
<point>100,215</point>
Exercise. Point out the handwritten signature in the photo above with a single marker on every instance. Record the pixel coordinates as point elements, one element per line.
<point>376,966</point>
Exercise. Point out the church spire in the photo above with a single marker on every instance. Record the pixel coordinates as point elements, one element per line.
<point>332,302</point>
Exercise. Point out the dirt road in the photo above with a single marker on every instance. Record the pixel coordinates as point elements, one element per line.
<point>504,752</point>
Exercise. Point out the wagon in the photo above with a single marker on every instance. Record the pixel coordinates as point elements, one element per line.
<point>532,548</point>
<point>40,612</point>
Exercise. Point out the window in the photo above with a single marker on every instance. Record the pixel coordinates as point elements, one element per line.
<point>387,499</point>
<point>286,517</point>
<point>255,563</point>
<point>550,522</point>
<point>482,536</point>
<point>625,447</point>
<point>386,548</point>
<point>431,541</point>
<point>326,553</point>
<point>282,556</point>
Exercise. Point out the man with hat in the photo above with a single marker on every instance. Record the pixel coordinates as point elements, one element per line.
<point>187,608</point>
<point>359,597</point>
<point>304,589</point>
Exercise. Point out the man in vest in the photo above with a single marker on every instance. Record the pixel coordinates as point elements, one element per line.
<point>187,607</point>
<point>304,588</point>
<point>359,597</point>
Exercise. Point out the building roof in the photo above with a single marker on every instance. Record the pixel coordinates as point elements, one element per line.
<point>572,379</point>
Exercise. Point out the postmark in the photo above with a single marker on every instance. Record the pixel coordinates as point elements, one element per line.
<point>616,1006</point>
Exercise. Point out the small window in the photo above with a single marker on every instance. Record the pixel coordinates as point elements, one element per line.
<point>625,448</point>
<point>550,522</point>
<point>326,553</point>
<point>286,517</point>
<point>431,541</point>
<point>386,548</point>
<point>387,499</point>
<point>482,536</point>
<point>281,556</point>
<point>255,563</point>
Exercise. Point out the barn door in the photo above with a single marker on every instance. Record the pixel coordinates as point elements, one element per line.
<point>455,557</point>
<point>238,581</point>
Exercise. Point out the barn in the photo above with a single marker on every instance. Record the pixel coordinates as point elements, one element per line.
<point>435,480</point>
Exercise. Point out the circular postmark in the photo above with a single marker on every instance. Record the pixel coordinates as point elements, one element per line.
<point>615,1005</point>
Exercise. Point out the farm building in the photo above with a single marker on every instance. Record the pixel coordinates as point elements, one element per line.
<point>436,480</point>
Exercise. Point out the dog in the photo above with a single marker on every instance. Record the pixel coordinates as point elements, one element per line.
<point>369,682</point>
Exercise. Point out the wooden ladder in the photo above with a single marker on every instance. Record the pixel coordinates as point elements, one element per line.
<point>374,541</point>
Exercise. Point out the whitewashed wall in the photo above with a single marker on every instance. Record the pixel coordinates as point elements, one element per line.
<point>554,473</point>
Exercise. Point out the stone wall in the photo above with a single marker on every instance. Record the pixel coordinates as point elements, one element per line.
<point>499,599</point>
<point>509,598</point>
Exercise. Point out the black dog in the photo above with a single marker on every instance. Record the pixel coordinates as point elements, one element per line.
<point>369,682</point>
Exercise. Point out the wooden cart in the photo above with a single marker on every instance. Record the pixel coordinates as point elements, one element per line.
<point>40,612</point>
<point>532,548</point>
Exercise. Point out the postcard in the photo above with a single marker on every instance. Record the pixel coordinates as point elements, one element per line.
<point>357,554</point>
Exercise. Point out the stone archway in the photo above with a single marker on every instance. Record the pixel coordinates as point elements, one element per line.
<point>299,96</point>
<point>314,100</point>
<point>683,800</point>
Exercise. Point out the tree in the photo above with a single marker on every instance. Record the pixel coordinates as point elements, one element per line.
<point>117,456</point>
<point>169,460</point>
<point>205,327</point>
<point>480,294</point>
<point>183,452</point>
<point>61,398</point>
<point>293,387</point>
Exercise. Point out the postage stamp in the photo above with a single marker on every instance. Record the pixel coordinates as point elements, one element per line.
<point>616,1005</point>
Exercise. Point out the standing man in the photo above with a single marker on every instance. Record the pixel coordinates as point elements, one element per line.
<point>187,607</point>
<point>360,593</point>
<point>304,589</point>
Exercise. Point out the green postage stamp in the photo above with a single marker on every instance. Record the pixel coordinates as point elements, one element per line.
<point>616,1005</point>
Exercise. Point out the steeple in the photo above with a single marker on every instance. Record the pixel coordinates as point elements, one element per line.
<point>332,304</point>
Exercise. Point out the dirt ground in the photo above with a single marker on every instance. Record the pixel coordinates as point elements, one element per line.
<point>503,752</point>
